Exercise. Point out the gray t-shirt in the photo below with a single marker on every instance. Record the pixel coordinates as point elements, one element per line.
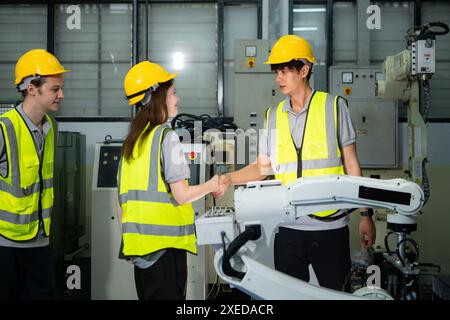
<point>175,168</point>
<point>38,137</point>
<point>347,136</point>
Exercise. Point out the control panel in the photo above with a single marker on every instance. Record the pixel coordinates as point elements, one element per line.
<point>375,119</point>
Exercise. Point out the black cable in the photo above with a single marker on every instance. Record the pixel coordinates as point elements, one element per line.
<point>413,33</point>
<point>425,183</point>
<point>224,248</point>
<point>425,180</point>
<point>187,121</point>
<point>252,232</point>
<point>416,247</point>
<point>386,244</point>
<point>427,28</point>
<point>427,96</point>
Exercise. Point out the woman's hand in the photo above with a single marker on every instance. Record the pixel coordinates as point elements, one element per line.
<point>213,184</point>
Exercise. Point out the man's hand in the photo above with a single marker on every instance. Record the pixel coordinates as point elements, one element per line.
<point>224,183</point>
<point>214,184</point>
<point>367,233</point>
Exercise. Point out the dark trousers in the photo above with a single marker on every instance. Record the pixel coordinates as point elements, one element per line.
<point>327,251</point>
<point>26,273</point>
<point>165,279</point>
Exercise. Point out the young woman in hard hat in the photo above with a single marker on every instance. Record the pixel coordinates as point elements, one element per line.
<point>310,133</point>
<point>155,198</point>
<point>27,147</point>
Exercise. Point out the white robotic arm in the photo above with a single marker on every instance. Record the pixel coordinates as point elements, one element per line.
<point>271,204</point>
<point>263,206</point>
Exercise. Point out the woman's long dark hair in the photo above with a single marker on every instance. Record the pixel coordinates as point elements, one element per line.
<point>154,112</point>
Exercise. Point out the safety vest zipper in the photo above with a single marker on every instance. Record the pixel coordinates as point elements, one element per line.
<point>299,150</point>
<point>299,162</point>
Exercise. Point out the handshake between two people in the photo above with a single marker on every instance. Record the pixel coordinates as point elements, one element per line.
<point>219,185</point>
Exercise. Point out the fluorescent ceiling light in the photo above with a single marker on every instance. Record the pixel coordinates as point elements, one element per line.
<point>309,10</point>
<point>178,60</point>
<point>305,29</point>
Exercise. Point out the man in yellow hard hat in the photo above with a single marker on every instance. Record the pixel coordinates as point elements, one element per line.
<point>310,133</point>
<point>27,148</point>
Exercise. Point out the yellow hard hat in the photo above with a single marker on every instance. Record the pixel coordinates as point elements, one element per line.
<point>290,47</point>
<point>143,77</point>
<point>37,62</point>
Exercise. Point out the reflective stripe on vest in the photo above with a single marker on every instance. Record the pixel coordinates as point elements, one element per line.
<point>320,154</point>
<point>22,204</point>
<point>151,218</point>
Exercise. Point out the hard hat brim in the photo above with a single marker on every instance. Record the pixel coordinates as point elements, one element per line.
<point>135,100</point>
<point>55,73</point>
<point>279,61</point>
<point>171,76</point>
<point>17,82</point>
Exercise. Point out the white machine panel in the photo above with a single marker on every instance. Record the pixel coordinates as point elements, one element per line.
<point>111,277</point>
<point>424,57</point>
<point>210,226</point>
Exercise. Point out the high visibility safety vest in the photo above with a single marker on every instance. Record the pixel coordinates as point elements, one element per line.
<point>26,192</point>
<point>151,218</point>
<point>319,154</point>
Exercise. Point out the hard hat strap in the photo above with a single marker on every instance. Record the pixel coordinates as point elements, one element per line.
<point>147,98</point>
<point>151,89</point>
<point>25,82</point>
<point>306,62</point>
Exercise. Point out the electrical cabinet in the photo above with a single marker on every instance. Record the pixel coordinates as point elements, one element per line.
<point>255,86</point>
<point>375,119</point>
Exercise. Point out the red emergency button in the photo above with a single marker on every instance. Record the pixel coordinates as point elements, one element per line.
<point>192,155</point>
<point>347,91</point>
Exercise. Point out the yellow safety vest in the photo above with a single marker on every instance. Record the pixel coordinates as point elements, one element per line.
<point>151,218</point>
<point>319,154</point>
<point>26,193</point>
